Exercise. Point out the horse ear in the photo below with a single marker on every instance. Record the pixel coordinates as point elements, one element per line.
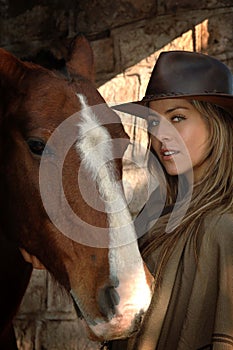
<point>81,59</point>
<point>11,68</point>
<point>11,73</point>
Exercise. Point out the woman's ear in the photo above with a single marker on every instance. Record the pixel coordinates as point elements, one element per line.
<point>81,59</point>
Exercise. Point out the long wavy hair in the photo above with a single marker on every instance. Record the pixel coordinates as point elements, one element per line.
<point>213,193</point>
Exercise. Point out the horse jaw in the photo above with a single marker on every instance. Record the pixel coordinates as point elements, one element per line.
<point>32,259</point>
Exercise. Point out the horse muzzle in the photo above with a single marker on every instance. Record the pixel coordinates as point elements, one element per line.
<point>115,321</point>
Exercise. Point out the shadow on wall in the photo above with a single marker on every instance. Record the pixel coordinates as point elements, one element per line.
<point>122,33</point>
<point>123,47</point>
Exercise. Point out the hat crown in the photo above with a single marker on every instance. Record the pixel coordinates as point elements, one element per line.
<point>186,75</point>
<point>189,73</point>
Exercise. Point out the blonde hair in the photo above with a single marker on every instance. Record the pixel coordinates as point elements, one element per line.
<point>212,194</point>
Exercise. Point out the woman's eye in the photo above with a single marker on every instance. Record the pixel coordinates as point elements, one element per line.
<point>153,123</point>
<point>178,118</point>
<point>36,146</point>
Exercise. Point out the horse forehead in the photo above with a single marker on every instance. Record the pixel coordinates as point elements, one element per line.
<point>51,99</point>
<point>51,91</point>
<point>54,96</point>
<point>50,103</point>
<point>53,84</point>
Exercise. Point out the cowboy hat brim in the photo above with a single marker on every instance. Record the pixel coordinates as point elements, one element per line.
<point>140,108</point>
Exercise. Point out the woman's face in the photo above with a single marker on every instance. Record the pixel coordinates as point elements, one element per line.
<point>177,130</point>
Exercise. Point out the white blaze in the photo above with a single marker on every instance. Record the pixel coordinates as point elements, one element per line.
<point>95,149</point>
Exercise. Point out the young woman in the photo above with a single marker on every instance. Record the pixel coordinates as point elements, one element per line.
<point>186,228</point>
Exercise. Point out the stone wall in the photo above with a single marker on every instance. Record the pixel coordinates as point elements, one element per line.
<point>127,37</point>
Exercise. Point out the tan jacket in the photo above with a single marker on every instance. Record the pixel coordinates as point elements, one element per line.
<point>193,308</point>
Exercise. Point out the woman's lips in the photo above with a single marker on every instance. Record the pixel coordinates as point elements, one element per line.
<point>168,153</point>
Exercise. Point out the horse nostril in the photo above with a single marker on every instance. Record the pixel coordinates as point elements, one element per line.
<point>108,299</point>
<point>113,295</point>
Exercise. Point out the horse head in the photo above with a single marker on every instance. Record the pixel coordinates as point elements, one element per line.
<point>62,202</point>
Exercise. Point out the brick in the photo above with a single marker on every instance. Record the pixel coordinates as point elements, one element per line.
<point>68,335</point>
<point>104,63</point>
<point>220,34</point>
<point>141,40</point>
<point>138,185</point>
<point>120,89</point>
<point>25,331</point>
<point>58,299</point>
<point>181,5</point>
<point>98,16</point>
<point>35,298</point>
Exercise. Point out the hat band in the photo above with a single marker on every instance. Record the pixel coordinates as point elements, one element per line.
<point>179,93</point>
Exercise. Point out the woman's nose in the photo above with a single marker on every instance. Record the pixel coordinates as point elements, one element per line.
<point>163,132</point>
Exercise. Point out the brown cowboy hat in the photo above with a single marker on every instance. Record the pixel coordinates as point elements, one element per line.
<point>188,75</point>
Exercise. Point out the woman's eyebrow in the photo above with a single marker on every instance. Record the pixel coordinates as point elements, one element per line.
<point>153,114</point>
<point>174,108</point>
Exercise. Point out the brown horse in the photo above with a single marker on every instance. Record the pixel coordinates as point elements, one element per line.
<point>90,249</point>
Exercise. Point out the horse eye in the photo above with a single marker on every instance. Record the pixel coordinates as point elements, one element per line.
<point>36,146</point>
